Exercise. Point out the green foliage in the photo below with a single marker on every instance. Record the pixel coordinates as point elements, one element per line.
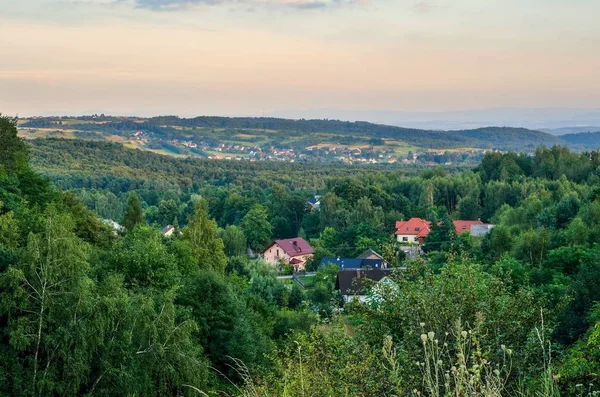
<point>133,212</point>
<point>234,240</point>
<point>257,228</point>
<point>202,236</point>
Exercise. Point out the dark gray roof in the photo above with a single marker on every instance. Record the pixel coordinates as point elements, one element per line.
<point>352,263</point>
<point>356,282</point>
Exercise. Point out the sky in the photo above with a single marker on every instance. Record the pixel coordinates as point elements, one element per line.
<point>249,57</point>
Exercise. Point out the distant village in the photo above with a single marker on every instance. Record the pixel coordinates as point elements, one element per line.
<point>349,154</point>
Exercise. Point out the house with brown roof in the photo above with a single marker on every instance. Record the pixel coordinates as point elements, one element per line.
<point>293,251</point>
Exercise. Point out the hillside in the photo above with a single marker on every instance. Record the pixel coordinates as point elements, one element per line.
<point>583,140</point>
<point>203,136</point>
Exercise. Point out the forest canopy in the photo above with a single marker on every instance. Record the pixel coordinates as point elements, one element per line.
<point>90,309</point>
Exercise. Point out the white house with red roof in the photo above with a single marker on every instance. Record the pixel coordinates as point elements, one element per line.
<point>293,251</point>
<point>414,230</point>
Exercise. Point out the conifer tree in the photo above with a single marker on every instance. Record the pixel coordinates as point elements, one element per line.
<point>134,214</point>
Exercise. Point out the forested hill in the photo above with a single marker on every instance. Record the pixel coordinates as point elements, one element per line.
<point>301,132</point>
<point>584,140</point>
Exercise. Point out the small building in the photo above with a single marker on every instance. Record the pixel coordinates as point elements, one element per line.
<point>168,231</point>
<point>313,203</point>
<point>355,284</point>
<point>481,230</point>
<point>293,251</point>
<point>465,226</point>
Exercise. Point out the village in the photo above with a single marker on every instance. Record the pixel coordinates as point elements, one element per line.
<point>348,154</point>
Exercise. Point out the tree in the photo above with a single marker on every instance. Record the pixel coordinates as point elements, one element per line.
<point>202,236</point>
<point>257,228</point>
<point>227,328</point>
<point>144,261</point>
<point>234,240</point>
<point>134,215</point>
<point>469,208</point>
<point>168,212</point>
<point>45,297</point>
<point>13,151</point>
<point>281,227</point>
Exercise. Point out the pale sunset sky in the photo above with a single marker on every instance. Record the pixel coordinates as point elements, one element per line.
<point>243,57</point>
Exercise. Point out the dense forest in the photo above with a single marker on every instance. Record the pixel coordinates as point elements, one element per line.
<point>88,310</point>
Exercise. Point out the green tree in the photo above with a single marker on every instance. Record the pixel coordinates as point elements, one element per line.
<point>13,151</point>
<point>45,297</point>
<point>134,215</point>
<point>257,228</point>
<point>202,236</point>
<point>234,240</point>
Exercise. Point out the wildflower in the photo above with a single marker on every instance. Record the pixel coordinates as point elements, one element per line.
<point>431,335</point>
<point>422,325</point>
<point>423,338</point>
<point>464,334</point>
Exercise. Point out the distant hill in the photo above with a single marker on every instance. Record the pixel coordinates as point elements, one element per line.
<point>293,133</point>
<point>570,130</point>
<point>584,140</point>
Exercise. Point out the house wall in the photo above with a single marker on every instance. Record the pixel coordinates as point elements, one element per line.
<point>275,254</point>
<point>410,238</point>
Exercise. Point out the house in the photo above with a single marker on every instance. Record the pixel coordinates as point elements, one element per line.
<point>354,285</point>
<point>415,230</point>
<point>293,251</point>
<point>370,254</point>
<point>168,231</point>
<point>465,226</point>
<point>353,263</point>
<point>412,231</point>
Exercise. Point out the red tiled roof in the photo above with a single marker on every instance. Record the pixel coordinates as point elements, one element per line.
<point>421,228</point>
<point>294,246</point>
<point>414,226</point>
<point>465,226</point>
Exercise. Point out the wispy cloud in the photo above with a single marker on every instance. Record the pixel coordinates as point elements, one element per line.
<point>298,4</point>
<point>423,7</point>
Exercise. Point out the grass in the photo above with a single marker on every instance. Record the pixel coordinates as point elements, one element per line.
<point>307,279</point>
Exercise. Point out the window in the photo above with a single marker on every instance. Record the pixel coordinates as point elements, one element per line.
<point>404,238</point>
<point>416,238</point>
<point>277,252</point>
<point>464,227</point>
<point>408,229</point>
<point>417,229</point>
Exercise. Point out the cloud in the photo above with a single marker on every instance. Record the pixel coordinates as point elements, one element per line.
<point>423,7</point>
<point>298,4</point>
